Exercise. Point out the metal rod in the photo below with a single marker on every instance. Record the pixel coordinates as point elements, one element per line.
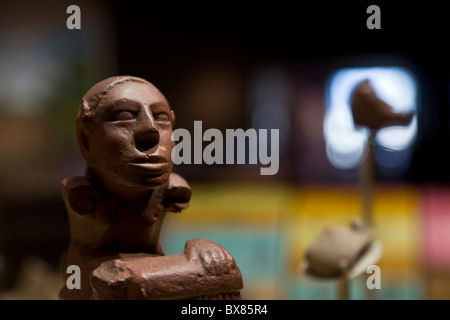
<point>343,287</point>
<point>368,180</point>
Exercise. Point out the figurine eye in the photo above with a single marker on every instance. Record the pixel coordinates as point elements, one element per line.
<point>124,116</point>
<point>162,116</point>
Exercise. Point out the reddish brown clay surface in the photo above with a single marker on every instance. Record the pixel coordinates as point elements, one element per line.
<point>116,210</point>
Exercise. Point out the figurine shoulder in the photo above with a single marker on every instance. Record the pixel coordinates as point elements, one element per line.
<point>79,195</point>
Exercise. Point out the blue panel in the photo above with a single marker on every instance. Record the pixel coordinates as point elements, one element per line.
<point>258,253</point>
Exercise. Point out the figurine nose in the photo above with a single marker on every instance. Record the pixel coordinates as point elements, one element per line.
<point>146,136</point>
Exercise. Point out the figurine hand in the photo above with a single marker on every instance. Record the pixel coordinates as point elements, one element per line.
<point>215,259</point>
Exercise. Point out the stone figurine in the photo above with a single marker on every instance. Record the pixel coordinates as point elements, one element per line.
<point>116,210</point>
<point>338,249</point>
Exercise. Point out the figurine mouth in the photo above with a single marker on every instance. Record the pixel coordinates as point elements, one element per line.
<point>153,165</point>
<point>154,159</point>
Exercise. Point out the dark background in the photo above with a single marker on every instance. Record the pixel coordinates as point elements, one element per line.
<point>313,34</point>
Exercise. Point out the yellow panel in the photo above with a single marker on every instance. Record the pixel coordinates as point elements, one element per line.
<point>219,203</point>
<point>396,211</point>
<point>301,213</point>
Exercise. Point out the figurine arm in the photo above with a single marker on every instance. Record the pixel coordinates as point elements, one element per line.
<point>205,269</point>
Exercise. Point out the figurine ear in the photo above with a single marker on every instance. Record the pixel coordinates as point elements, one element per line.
<point>178,193</point>
<point>83,142</point>
<point>172,117</point>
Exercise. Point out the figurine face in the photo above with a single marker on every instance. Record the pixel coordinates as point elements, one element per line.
<point>130,142</point>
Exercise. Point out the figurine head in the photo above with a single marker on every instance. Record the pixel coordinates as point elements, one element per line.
<point>124,129</point>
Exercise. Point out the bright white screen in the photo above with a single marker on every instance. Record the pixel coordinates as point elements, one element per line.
<point>345,143</point>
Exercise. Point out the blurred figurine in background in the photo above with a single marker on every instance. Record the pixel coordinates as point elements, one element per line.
<point>344,252</point>
<point>371,112</point>
<point>116,210</point>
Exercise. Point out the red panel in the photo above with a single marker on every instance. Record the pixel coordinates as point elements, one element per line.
<point>436,202</point>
